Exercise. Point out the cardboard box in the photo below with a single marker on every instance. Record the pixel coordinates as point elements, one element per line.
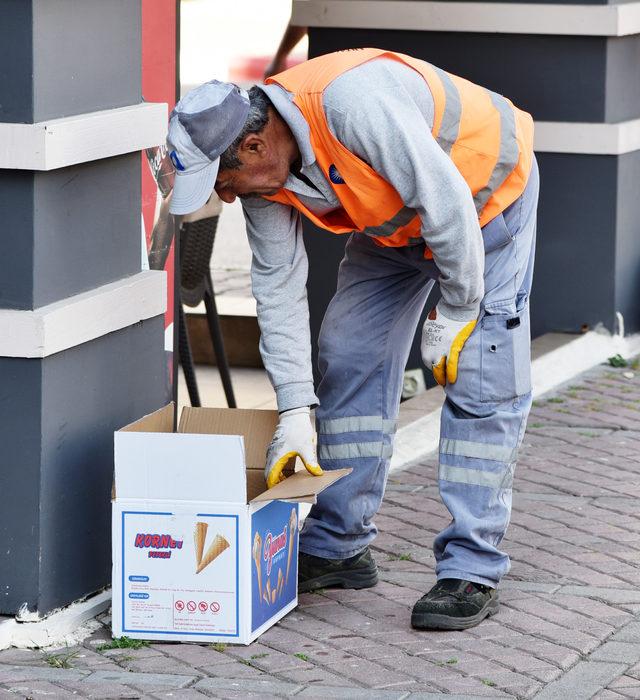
<point>201,552</point>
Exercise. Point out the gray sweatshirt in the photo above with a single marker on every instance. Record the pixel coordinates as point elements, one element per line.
<point>382,111</point>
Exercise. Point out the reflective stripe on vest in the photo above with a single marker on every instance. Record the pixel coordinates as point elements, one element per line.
<point>488,139</point>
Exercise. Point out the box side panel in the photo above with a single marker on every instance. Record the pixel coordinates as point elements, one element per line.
<point>274,554</point>
<point>178,571</point>
<point>179,467</point>
<point>116,572</point>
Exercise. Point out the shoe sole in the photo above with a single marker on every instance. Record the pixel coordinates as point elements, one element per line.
<point>353,579</point>
<point>432,621</point>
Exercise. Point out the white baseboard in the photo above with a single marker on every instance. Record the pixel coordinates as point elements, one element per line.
<point>56,629</point>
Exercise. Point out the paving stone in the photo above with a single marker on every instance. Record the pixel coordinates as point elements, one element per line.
<point>17,674</point>
<point>156,664</point>
<point>194,655</point>
<point>100,689</point>
<point>625,682</point>
<point>619,652</point>
<point>127,677</point>
<point>181,694</point>
<point>261,686</point>
<point>629,633</point>
<point>368,673</point>
<point>29,657</point>
<point>355,693</point>
<point>35,689</point>
<point>313,676</point>
<point>584,680</point>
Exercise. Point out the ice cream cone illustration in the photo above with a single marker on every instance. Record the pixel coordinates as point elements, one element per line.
<point>257,560</point>
<point>268,590</point>
<point>216,548</point>
<point>280,586</point>
<point>293,524</point>
<point>199,536</point>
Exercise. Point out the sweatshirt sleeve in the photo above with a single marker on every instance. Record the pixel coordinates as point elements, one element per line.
<point>385,127</point>
<point>278,277</point>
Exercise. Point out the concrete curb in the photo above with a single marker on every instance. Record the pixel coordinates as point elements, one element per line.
<point>54,628</point>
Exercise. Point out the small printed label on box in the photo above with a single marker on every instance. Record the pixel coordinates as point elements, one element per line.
<point>180,573</point>
<point>274,554</point>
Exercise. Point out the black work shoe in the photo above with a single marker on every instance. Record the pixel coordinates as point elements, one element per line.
<point>359,571</point>
<point>453,604</point>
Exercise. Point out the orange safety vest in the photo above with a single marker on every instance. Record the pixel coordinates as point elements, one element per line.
<point>488,139</point>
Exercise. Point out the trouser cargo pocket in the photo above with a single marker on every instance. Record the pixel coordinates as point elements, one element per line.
<point>505,354</point>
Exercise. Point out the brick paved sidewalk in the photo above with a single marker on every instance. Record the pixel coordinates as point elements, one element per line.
<point>569,625</point>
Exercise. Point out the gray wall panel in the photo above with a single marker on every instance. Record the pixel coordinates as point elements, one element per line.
<point>623,78</point>
<point>547,2</point>
<point>556,78</point>
<point>16,239</point>
<point>87,226</point>
<point>627,271</point>
<point>88,392</point>
<point>575,257</point>
<point>20,391</point>
<point>16,62</point>
<point>86,56</point>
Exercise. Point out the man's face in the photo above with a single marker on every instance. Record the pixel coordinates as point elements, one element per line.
<point>263,171</point>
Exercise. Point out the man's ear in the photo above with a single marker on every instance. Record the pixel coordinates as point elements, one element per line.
<point>253,145</point>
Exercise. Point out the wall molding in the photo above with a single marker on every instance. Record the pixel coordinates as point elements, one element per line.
<point>585,138</point>
<point>82,317</point>
<point>490,17</point>
<point>57,143</point>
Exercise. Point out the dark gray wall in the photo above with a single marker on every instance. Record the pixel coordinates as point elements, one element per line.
<point>85,219</point>
<point>16,62</point>
<point>575,254</point>
<point>68,230</point>
<point>86,56</point>
<point>627,274</point>
<point>20,391</point>
<point>16,239</point>
<point>555,78</point>
<point>85,394</point>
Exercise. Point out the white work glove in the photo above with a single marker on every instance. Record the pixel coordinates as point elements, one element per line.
<point>293,438</point>
<point>442,342</point>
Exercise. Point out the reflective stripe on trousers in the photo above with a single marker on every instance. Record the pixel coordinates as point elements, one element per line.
<point>364,343</point>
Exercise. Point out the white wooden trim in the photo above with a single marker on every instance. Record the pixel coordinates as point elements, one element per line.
<point>57,143</point>
<point>83,317</point>
<point>491,17</point>
<point>597,139</point>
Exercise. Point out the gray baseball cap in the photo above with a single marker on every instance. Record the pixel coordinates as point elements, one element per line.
<point>205,122</point>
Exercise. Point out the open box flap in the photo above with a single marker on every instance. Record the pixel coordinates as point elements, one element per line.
<point>160,421</point>
<point>255,426</point>
<point>301,486</point>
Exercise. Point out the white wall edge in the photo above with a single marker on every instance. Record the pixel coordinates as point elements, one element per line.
<point>421,437</point>
<point>489,17</point>
<point>82,317</point>
<point>55,628</point>
<point>57,143</point>
<point>586,138</point>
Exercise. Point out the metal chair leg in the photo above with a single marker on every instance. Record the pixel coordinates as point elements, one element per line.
<point>186,359</point>
<point>217,340</point>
